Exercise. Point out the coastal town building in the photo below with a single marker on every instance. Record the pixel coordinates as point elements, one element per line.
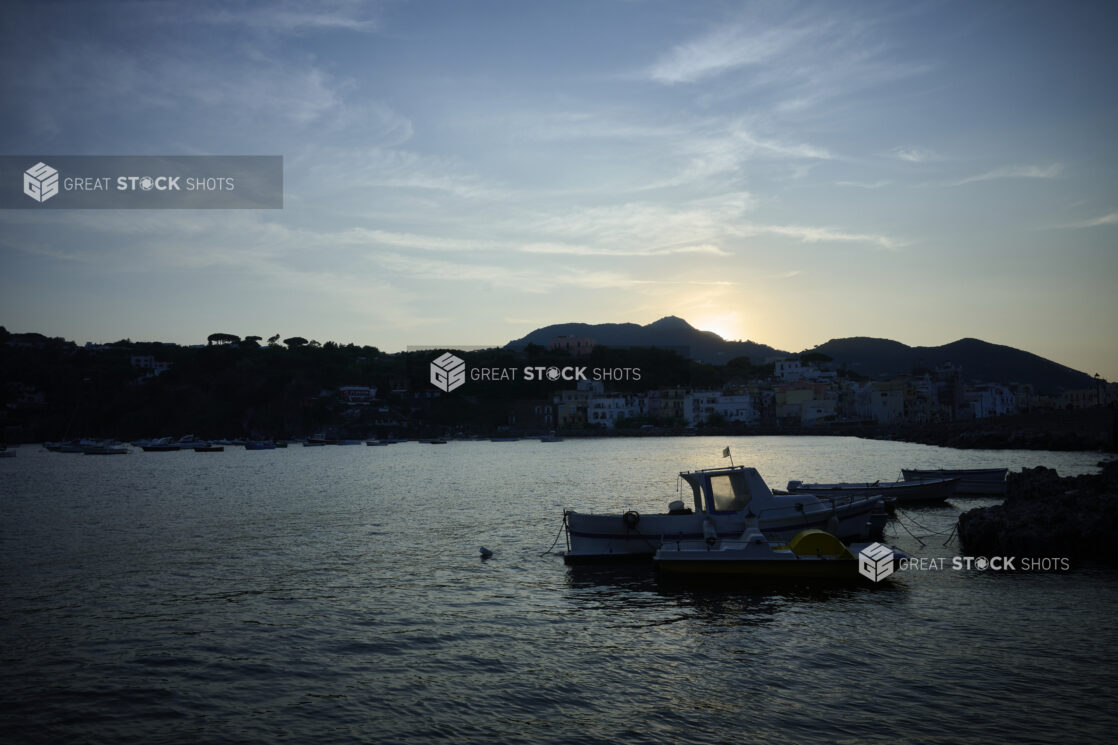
<point>149,364</point>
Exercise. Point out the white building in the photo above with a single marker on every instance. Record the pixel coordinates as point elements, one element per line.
<point>992,400</point>
<point>791,370</point>
<point>817,409</point>
<point>605,411</point>
<point>356,394</point>
<point>700,406</point>
<point>149,364</point>
<point>887,401</point>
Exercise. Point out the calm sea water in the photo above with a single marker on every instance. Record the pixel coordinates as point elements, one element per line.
<point>336,595</point>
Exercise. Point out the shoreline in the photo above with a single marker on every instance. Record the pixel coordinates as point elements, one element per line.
<point>1083,430</point>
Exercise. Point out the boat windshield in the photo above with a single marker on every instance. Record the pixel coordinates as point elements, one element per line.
<point>729,492</point>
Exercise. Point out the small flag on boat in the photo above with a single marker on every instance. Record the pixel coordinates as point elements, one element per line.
<point>726,453</point>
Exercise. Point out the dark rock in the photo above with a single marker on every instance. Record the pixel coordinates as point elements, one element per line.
<point>1045,515</point>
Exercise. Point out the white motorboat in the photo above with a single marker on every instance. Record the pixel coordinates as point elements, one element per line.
<point>726,498</point>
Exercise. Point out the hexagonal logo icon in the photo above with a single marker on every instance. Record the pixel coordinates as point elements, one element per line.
<point>448,372</point>
<point>875,562</point>
<point>40,182</point>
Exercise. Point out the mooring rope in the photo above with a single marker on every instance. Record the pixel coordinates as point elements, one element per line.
<point>561,526</point>
<point>901,523</point>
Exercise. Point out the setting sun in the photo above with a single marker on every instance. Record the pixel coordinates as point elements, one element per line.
<point>727,325</point>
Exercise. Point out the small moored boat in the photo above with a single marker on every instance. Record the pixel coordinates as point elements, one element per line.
<point>976,481</point>
<point>902,492</point>
<point>726,498</point>
<point>106,448</point>
<point>160,445</point>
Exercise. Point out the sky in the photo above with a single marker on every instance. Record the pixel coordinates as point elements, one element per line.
<point>462,173</point>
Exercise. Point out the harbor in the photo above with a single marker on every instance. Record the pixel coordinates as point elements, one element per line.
<point>294,593</point>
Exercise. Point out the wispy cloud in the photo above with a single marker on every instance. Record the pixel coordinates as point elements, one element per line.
<point>524,279</point>
<point>1014,172</point>
<point>342,169</point>
<point>183,92</point>
<point>864,184</point>
<point>916,154</point>
<point>712,149</point>
<point>559,248</point>
<point>366,236</point>
<point>1110,218</point>
<point>723,49</point>
<point>810,234</point>
<point>640,224</point>
<point>291,16</point>
<point>790,58</point>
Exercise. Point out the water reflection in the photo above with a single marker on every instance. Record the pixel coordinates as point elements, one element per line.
<point>635,595</point>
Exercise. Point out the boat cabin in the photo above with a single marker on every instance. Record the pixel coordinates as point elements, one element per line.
<point>726,490</point>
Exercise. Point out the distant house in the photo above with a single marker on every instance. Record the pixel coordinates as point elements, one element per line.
<point>991,400</point>
<point>357,394</point>
<point>700,407</point>
<point>607,410</point>
<point>667,403</point>
<point>788,370</point>
<point>25,397</point>
<point>818,410</point>
<point>1103,394</point>
<point>887,401</point>
<point>150,365</point>
<point>792,401</point>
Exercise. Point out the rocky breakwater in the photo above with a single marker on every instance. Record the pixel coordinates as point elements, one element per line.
<point>1046,515</point>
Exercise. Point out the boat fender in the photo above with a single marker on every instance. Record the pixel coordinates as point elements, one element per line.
<point>799,506</point>
<point>710,533</point>
<point>631,518</point>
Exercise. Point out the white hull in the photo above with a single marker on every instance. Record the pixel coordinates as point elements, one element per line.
<point>903,492</point>
<point>608,537</point>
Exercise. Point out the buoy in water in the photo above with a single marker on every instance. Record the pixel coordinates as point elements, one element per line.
<point>485,553</point>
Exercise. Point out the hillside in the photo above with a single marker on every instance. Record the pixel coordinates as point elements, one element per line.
<point>980,361</point>
<point>874,358</point>
<point>669,332</point>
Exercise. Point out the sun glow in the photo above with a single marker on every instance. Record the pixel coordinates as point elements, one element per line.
<point>727,325</point>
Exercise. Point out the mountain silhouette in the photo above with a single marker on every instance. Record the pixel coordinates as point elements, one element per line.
<point>670,332</point>
<point>980,361</point>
